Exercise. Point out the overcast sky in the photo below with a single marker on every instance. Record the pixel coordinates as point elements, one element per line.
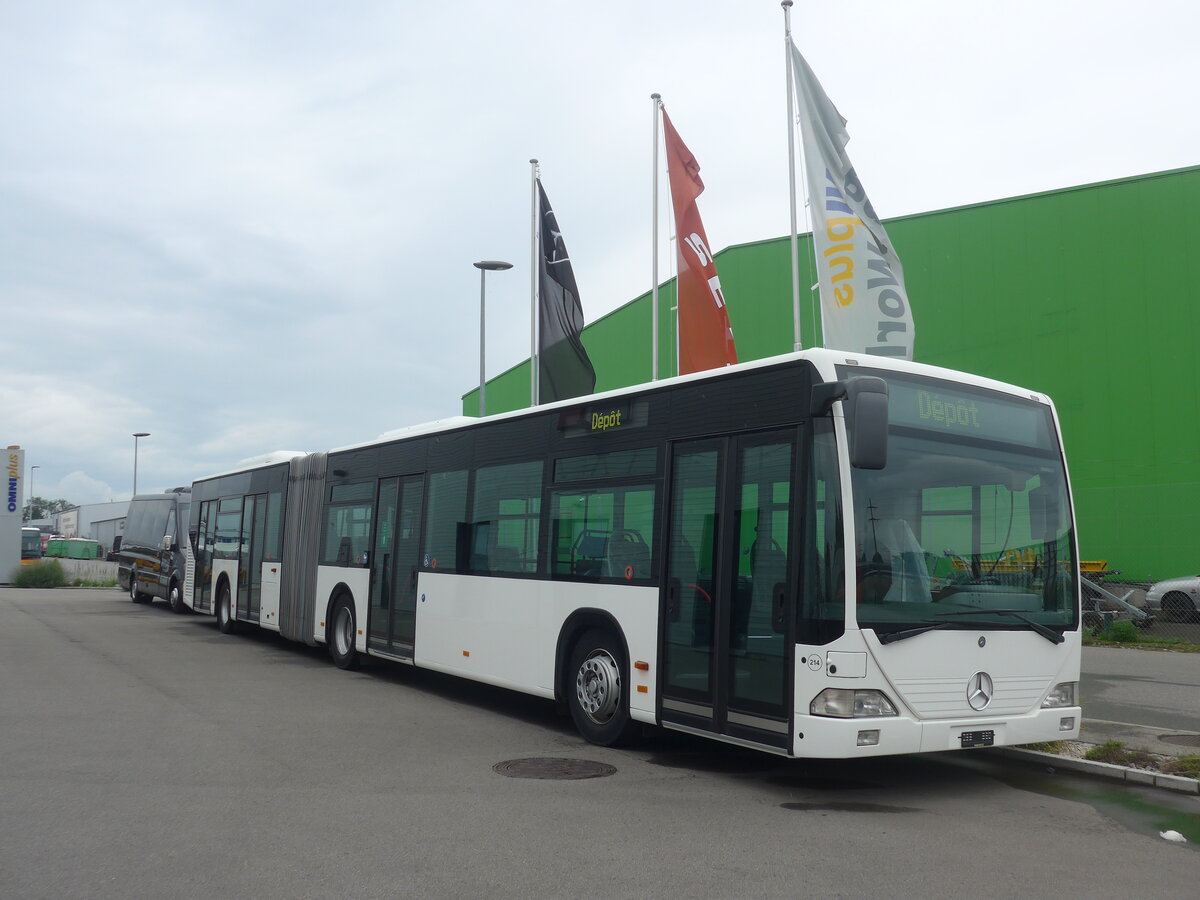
<point>244,227</point>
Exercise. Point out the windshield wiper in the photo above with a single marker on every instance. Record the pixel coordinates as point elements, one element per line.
<point>1048,633</point>
<point>892,636</point>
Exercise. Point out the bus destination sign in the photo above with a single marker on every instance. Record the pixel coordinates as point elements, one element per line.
<point>986,415</point>
<point>935,405</point>
<point>603,418</point>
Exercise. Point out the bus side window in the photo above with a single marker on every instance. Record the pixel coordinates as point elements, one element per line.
<point>506,518</point>
<point>603,533</point>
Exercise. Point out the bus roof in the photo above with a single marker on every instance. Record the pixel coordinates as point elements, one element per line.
<point>826,362</point>
<point>262,461</point>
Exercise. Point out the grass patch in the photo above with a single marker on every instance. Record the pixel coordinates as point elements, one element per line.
<point>1121,633</point>
<point>1125,633</point>
<point>45,574</point>
<point>1056,747</point>
<point>1096,639</point>
<point>1118,754</point>
<point>1187,766</point>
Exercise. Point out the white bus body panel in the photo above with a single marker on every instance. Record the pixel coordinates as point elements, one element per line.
<point>358,581</point>
<point>268,606</point>
<point>504,631</point>
<point>926,679</point>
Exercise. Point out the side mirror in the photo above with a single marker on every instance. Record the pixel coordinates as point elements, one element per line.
<point>168,541</point>
<point>865,402</point>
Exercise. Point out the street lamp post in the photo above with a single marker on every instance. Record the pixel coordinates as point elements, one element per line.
<point>31,515</point>
<point>136,436</point>
<point>485,266</point>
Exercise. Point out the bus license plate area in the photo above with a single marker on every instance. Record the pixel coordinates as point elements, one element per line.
<point>969,739</point>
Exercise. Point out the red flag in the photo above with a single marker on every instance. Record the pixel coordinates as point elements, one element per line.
<point>705,338</point>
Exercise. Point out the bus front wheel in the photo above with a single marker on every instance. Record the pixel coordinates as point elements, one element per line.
<point>341,634</point>
<point>175,598</point>
<point>225,620</point>
<point>597,693</point>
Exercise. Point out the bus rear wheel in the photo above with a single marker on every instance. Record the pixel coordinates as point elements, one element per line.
<point>134,594</point>
<point>225,620</point>
<point>341,634</point>
<point>597,693</point>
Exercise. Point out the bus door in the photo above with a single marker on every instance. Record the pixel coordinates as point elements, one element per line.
<point>250,557</point>
<point>727,659</point>
<point>394,564</point>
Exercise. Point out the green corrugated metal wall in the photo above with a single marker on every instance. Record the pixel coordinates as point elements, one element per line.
<point>1084,294</point>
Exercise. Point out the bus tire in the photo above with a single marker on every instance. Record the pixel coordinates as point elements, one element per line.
<point>597,690</point>
<point>341,634</point>
<point>225,620</point>
<point>134,594</point>
<point>175,598</point>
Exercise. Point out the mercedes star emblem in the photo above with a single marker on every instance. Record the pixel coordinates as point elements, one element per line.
<point>979,691</point>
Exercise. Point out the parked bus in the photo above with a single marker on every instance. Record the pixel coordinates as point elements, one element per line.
<point>31,545</point>
<point>816,555</point>
<point>151,559</point>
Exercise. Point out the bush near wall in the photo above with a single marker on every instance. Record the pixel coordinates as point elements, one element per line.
<point>45,574</point>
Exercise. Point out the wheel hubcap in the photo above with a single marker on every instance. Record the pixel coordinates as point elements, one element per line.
<point>344,631</point>
<point>598,686</point>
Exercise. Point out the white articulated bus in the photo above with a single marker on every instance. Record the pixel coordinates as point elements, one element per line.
<point>820,555</point>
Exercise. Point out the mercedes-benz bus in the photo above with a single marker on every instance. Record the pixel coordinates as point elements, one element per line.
<point>151,560</point>
<point>823,554</point>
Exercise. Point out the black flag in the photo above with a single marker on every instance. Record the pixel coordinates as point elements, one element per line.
<point>564,369</point>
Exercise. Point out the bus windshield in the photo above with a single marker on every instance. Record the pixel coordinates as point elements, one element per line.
<point>969,523</point>
<point>31,543</point>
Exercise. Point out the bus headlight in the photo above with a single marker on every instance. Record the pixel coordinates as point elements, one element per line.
<point>1062,695</point>
<point>843,703</point>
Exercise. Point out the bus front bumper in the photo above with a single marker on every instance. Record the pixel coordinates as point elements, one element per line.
<point>829,738</point>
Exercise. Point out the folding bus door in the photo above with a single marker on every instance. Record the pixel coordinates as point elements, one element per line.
<point>250,557</point>
<point>394,564</point>
<point>726,656</point>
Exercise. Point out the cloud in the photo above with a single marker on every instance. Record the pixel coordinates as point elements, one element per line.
<point>80,489</point>
<point>241,229</point>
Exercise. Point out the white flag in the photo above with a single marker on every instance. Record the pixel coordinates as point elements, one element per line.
<point>864,306</point>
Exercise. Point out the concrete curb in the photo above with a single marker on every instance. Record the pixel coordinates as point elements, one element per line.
<point>1177,783</point>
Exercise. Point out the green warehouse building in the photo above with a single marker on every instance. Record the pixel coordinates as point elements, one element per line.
<point>1079,293</point>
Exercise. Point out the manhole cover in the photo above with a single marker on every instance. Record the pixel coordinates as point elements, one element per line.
<point>1181,740</point>
<point>547,767</point>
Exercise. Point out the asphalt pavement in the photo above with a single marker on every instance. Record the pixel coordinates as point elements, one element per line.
<point>145,754</point>
<point>1148,699</point>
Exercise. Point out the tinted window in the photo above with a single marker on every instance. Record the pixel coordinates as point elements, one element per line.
<point>505,518</point>
<point>228,542</point>
<point>446,530</point>
<point>348,525</point>
<point>603,532</point>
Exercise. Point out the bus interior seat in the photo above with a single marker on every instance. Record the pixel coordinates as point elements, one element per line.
<point>505,559</point>
<point>588,553</point>
<point>628,555</point>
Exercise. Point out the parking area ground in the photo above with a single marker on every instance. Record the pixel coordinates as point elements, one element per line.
<point>145,754</point>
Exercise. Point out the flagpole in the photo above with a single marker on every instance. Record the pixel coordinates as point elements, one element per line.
<point>657,98</point>
<point>791,114</point>
<point>533,284</point>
